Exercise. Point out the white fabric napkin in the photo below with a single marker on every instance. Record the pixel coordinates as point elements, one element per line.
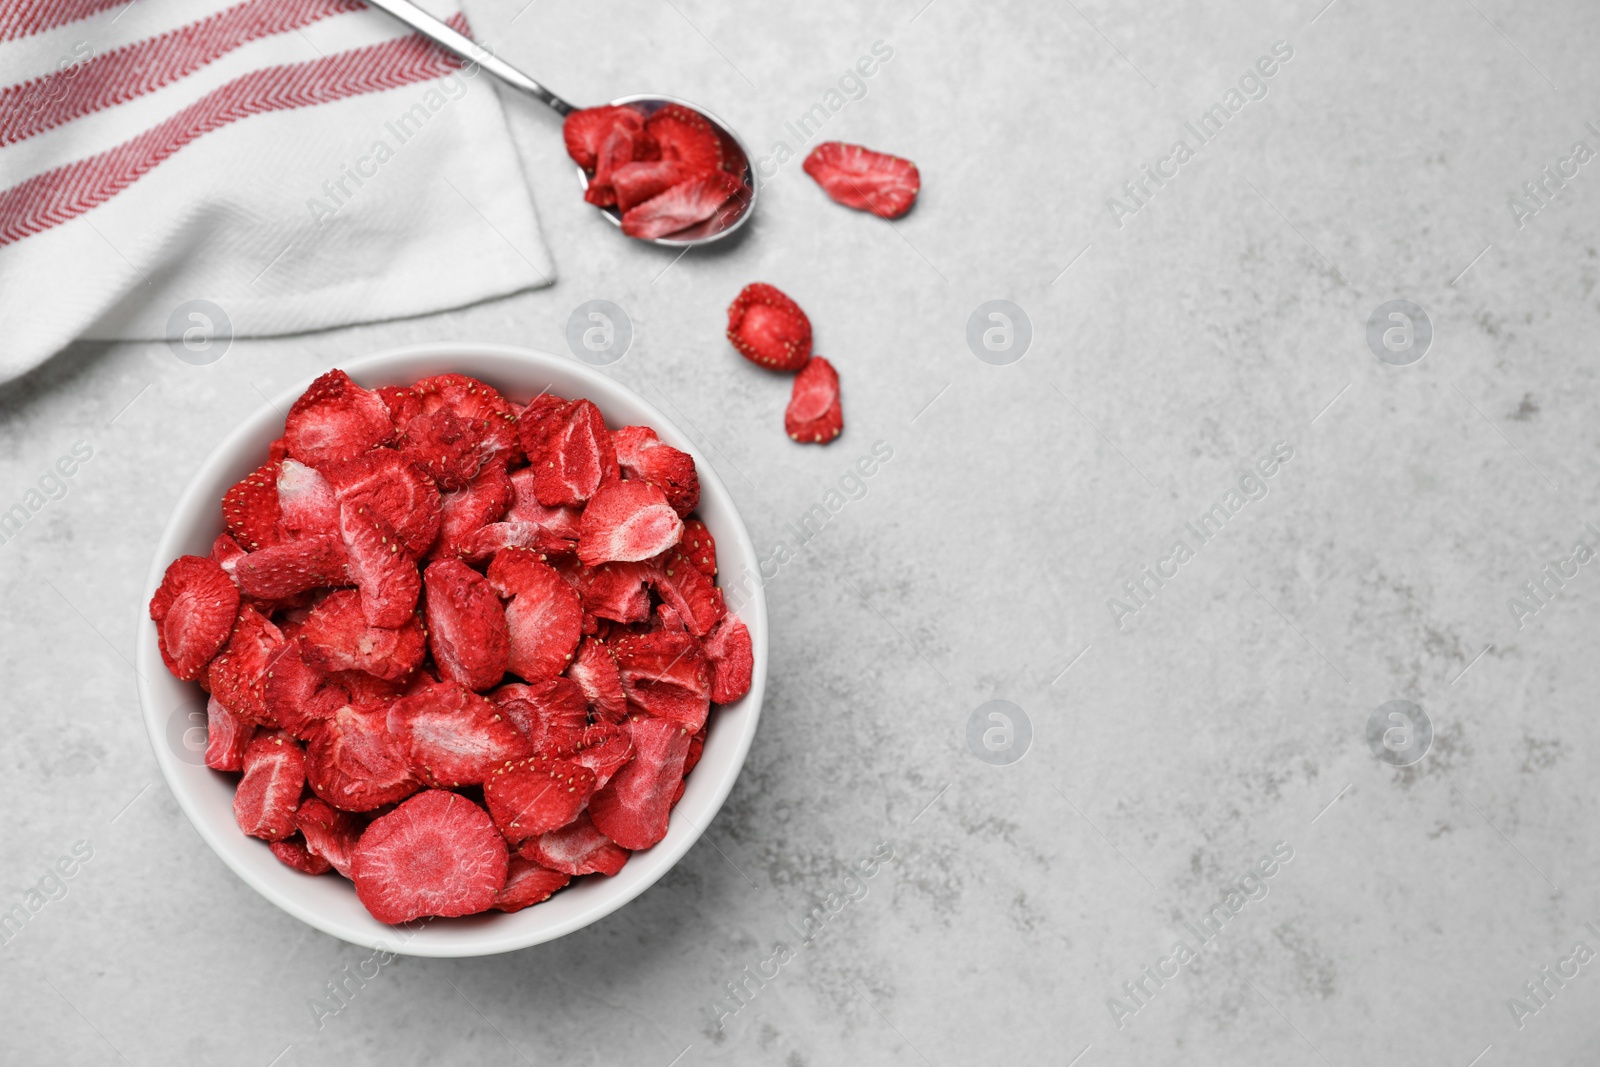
<point>270,166</point>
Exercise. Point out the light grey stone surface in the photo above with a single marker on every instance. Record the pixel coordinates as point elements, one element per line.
<point>1168,755</point>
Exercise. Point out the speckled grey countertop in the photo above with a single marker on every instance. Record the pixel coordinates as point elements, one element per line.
<point>1175,739</point>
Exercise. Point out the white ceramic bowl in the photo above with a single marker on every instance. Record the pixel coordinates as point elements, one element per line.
<point>329,902</point>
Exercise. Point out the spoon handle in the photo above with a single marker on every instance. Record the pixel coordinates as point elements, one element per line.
<point>468,49</point>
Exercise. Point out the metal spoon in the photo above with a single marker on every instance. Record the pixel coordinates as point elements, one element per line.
<point>728,218</point>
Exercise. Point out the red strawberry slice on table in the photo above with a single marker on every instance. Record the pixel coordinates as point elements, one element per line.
<point>466,625</point>
<point>306,500</point>
<point>634,807</point>
<point>576,849</point>
<point>227,737</point>
<point>595,671</point>
<point>451,736</point>
<point>732,659</point>
<point>337,637</point>
<point>380,566</point>
<point>328,832</point>
<point>238,674</point>
<point>386,483</point>
<point>627,521</point>
<point>269,792</point>
<point>665,674</point>
<point>552,714</point>
<point>335,419</point>
<point>643,458</point>
<point>536,795</point>
<point>354,763</point>
<point>252,509</point>
<point>860,178</point>
<point>570,451</point>
<point>528,884</point>
<point>436,854</point>
<point>544,618</point>
<point>194,609</point>
<point>686,138</point>
<point>291,567</point>
<point>768,328</point>
<point>691,201</point>
<point>814,414</point>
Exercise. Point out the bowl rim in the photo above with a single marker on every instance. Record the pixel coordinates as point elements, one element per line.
<point>435,940</point>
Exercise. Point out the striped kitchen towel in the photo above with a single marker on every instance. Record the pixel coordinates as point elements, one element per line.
<point>280,165</point>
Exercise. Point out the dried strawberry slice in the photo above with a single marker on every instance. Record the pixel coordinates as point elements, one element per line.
<point>492,538</point>
<point>238,674</point>
<point>449,450</point>
<point>329,833</point>
<point>386,483</point>
<point>732,659</point>
<point>692,200</point>
<point>697,745</point>
<point>252,510</point>
<point>338,637</point>
<point>466,511</point>
<point>595,671</point>
<point>604,749</point>
<point>528,884</point>
<point>552,714</point>
<point>436,854</point>
<point>291,567</point>
<point>814,415</point>
<point>627,521</point>
<point>666,675</point>
<point>860,178</point>
<point>615,150</point>
<point>381,568</point>
<point>699,546</point>
<point>292,852</point>
<point>634,183</point>
<point>536,795</point>
<point>466,625</point>
<point>585,131</point>
<point>560,521</point>
<point>768,328</point>
<point>451,736</point>
<point>306,500</point>
<point>688,592</point>
<point>403,405</point>
<point>685,137</point>
<point>576,849</point>
<point>335,419</point>
<point>274,776</point>
<point>615,591</point>
<point>226,551</point>
<point>227,737</point>
<point>634,807</point>
<point>544,618</point>
<point>479,406</point>
<point>354,764</point>
<point>570,452</point>
<point>643,457</point>
<point>298,696</point>
<point>193,609</point>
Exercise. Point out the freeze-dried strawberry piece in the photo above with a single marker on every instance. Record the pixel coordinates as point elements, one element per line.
<point>479,406</point>
<point>768,328</point>
<point>466,511</point>
<point>690,201</point>
<point>732,659</point>
<point>688,592</point>
<point>570,452</point>
<point>449,450</point>
<point>494,537</point>
<point>604,748</point>
<point>193,609</point>
<point>666,675</point>
<point>860,178</point>
<point>291,567</point>
<point>338,637</point>
<point>561,520</point>
<point>685,137</point>
<point>551,714</point>
<point>634,807</point>
<point>544,618</point>
<point>367,688</point>
<point>269,792</point>
<point>277,451</point>
<point>386,483</point>
<point>329,833</point>
<point>299,697</point>
<point>627,521</point>
<point>618,148</point>
<point>452,737</point>
<point>585,131</point>
<point>697,745</point>
<point>306,500</point>
<point>697,544</point>
<point>615,591</point>
<point>814,415</point>
<point>466,625</point>
<point>238,674</point>
<point>595,671</point>
<point>643,457</point>
<point>528,884</point>
<point>226,551</point>
<point>335,419</point>
<point>536,795</point>
<point>252,511</point>
<point>576,849</point>
<point>403,405</point>
<point>634,183</point>
<point>353,763</point>
<point>436,854</point>
<point>292,852</point>
<point>381,568</point>
<point>227,737</point>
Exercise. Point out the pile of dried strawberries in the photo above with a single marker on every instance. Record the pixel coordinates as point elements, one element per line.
<point>461,650</point>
